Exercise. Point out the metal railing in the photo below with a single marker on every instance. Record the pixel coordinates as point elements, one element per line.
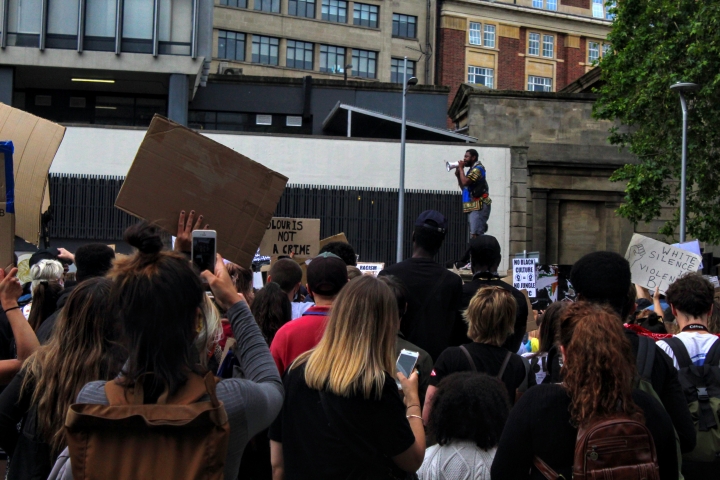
<point>83,207</point>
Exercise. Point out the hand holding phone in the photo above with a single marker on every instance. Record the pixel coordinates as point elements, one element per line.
<point>204,249</point>
<point>406,362</point>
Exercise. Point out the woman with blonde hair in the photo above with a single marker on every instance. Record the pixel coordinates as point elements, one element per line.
<point>491,320</point>
<point>342,416</point>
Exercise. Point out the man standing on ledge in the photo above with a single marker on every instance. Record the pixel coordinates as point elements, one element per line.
<point>475,196</point>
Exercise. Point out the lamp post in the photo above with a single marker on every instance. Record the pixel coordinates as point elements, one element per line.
<point>680,88</point>
<point>407,82</point>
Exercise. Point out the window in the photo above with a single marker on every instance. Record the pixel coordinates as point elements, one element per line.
<point>334,11</point>
<point>539,84</point>
<point>475,34</point>
<point>481,76</point>
<point>332,59</point>
<point>598,9</point>
<point>299,55</point>
<point>404,25</point>
<point>363,63</point>
<point>537,3</point>
<point>593,52</point>
<point>396,69</point>
<point>548,46</point>
<point>547,4</point>
<point>365,15</point>
<point>534,44</point>
<point>605,49</point>
<point>301,8</point>
<point>100,16</point>
<point>608,15</point>
<point>231,45</point>
<point>234,3</point>
<point>265,49</point>
<point>272,6</point>
<point>489,36</point>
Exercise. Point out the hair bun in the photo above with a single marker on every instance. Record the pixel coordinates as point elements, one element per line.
<point>144,237</point>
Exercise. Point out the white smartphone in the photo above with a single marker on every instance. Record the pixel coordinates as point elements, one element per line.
<point>204,249</point>
<point>406,363</point>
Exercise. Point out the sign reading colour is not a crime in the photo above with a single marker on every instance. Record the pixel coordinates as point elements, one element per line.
<point>657,264</point>
<point>285,236</point>
<point>525,275</point>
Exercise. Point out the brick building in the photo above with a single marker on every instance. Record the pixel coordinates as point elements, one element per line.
<point>539,45</point>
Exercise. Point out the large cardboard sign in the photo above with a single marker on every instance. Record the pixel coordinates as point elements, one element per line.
<point>340,237</point>
<point>525,275</point>
<point>285,236</point>
<point>657,264</point>
<point>178,169</point>
<point>35,143</point>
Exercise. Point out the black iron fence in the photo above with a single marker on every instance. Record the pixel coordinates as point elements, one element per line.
<point>83,207</point>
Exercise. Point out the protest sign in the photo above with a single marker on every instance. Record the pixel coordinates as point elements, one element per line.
<point>285,236</point>
<point>525,275</point>
<point>657,264</point>
<point>370,268</point>
<point>340,237</point>
<point>178,169</point>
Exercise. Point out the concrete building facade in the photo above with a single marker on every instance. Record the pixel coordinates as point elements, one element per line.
<point>295,38</point>
<point>538,45</point>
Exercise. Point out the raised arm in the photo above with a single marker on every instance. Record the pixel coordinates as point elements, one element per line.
<point>25,339</point>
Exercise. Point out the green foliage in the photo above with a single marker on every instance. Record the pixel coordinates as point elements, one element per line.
<point>655,44</point>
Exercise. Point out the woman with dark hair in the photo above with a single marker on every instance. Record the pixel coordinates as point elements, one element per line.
<point>469,414</point>
<point>158,299</point>
<point>598,378</point>
<point>271,309</point>
<point>242,278</point>
<point>545,363</point>
<point>46,288</point>
<point>83,348</point>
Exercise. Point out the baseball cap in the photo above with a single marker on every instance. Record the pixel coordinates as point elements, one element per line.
<point>432,219</point>
<point>484,248</point>
<point>45,254</point>
<point>327,274</point>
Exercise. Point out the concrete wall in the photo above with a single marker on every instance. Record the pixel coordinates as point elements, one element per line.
<point>311,160</point>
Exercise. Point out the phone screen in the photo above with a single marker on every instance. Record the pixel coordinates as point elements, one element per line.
<point>203,251</point>
<point>406,364</point>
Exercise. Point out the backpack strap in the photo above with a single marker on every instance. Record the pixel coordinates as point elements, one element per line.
<point>645,357</point>
<point>504,365</point>
<point>545,469</point>
<point>681,354</point>
<point>469,358</point>
<point>713,356</point>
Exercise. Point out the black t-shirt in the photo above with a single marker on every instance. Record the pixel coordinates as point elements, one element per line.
<point>433,303</point>
<point>488,359</point>
<point>539,424</point>
<point>316,448</point>
<point>521,314</point>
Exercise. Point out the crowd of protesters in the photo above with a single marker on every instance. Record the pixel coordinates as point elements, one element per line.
<point>144,367</point>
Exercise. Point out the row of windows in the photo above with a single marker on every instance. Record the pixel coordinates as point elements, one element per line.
<point>486,77</point>
<point>546,4</point>
<point>336,11</point>
<point>232,46</point>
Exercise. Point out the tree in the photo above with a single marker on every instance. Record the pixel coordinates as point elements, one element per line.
<point>656,43</point>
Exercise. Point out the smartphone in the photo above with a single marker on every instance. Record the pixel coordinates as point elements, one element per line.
<point>406,363</point>
<point>204,249</point>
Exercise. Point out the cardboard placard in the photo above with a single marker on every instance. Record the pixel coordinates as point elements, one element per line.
<point>340,237</point>
<point>657,264</point>
<point>7,205</point>
<point>285,236</point>
<point>368,268</point>
<point>35,141</point>
<point>178,169</point>
<point>524,274</point>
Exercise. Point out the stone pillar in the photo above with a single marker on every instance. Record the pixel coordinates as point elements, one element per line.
<point>518,201</point>
<point>6,85</point>
<point>539,220</point>
<point>178,98</point>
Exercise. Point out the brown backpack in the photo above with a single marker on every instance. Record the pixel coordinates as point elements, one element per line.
<point>611,449</point>
<point>177,437</point>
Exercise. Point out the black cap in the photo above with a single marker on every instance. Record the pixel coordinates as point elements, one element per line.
<point>484,250</point>
<point>47,254</point>
<point>432,219</point>
<point>327,274</point>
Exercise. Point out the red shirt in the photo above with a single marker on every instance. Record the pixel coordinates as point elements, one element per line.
<point>298,336</point>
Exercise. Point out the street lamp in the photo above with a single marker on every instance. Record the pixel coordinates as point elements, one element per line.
<point>681,88</point>
<point>407,82</point>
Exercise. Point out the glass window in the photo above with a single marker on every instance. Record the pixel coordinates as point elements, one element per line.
<point>175,27</point>
<point>608,15</point>
<point>539,84</point>
<point>265,50</point>
<point>334,11</point>
<point>365,15</point>
<point>301,8</point>
<point>396,69</point>
<point>548,46</point>
<point>62,23</point>
<point>605,49</point>
<point>234,3</point>
<point>404,26</point>
<point>481,76</point>
<point>597,8</point>
<point>272,6</point>
<point>332,59</point>
<point>299,55</point>
<point>474,33</point>
<point>534,44</point>
<point>231,45</point>
<point>364,63</point>
<point>537,3</point>
<point>551,4</point>
<point>489,36</point>
<point>137,26</point>
<point>593,52</point>
<point>100,25</point>
<point>24,22</point>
